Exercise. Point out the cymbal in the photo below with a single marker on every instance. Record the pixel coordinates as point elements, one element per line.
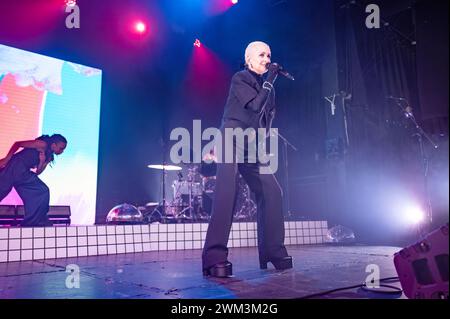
<point>152,204</point>
<point>165,167</point>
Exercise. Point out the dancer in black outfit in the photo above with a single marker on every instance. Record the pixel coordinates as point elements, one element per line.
<point>250,104</point>
<point>15,171</point>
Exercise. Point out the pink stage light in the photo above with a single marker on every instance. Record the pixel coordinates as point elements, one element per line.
<point>197,43</point>
<point>215,7</point>
<point>140,27</point>
<point>206,81</point>
<point>70,3</point>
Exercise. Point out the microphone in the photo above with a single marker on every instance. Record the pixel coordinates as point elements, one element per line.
<point>396,98</point>
<point>282,71</point>
<point>408,111</point>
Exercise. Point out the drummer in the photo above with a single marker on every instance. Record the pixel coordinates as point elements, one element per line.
<point>209,164</point>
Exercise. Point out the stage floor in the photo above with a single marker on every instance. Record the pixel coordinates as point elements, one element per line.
<point>177,274</point>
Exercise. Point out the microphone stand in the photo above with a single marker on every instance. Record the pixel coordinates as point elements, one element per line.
<point>164,203</point>
<point>421,134</point>
<point>286,143</point>
<point>161,212</point>
<point>345,96</point>
<point>332,104</point>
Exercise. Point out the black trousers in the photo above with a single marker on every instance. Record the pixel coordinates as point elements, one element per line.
<point>34,193</point>
<point>270,222</point>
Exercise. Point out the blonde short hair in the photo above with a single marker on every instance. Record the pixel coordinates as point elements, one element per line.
<point>250,48</point>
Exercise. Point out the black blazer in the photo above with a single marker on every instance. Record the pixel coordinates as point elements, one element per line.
<point>248,102</point>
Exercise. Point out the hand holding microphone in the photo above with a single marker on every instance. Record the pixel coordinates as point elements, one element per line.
<point>272,72</point>
<point>278,69</point>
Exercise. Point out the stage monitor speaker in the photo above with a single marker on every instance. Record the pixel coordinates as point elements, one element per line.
<point>7,215</point>
<point>63,211</point>
<point>59,211</point>
<point>56,214</point>
<point>7,211</point>
<point>423,266</point>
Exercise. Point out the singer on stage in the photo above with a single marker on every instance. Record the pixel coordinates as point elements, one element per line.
<point>250,104</point>
<point>15,171</point>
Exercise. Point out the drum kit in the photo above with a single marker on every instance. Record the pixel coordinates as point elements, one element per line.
<point>193,196</point>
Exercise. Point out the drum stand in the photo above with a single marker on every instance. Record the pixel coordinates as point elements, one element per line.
<point>159,213</point>
<point>191,212</point>
<point>244,208</point>
<point>190,208</point>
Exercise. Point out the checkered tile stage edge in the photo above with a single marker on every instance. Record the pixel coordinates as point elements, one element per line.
<point>21,244</point>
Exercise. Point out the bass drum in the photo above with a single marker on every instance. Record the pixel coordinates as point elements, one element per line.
<point>245,207</point>
<point>186,188</point>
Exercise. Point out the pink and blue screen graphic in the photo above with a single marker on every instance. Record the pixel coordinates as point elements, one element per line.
<point>43,95</point>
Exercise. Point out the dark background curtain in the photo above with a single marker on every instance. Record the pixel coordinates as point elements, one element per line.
<point>407,57</point>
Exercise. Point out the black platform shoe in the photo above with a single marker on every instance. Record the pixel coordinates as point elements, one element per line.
<point>279,264</point>
<point>221,270</point>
